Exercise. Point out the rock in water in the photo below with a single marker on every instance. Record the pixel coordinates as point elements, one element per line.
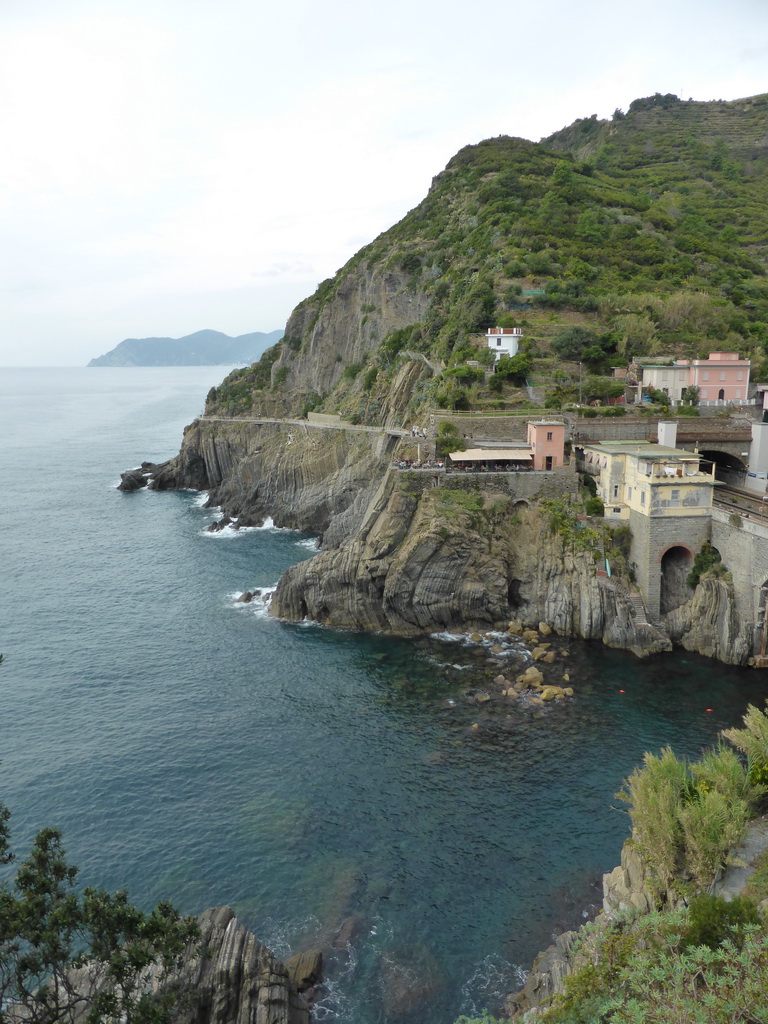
<point>305,969</point>
<point>132,480</point>
<point>238,979</point>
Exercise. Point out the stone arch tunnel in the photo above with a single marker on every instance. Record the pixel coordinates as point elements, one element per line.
<point>729,468</point>
<point>676,564</point>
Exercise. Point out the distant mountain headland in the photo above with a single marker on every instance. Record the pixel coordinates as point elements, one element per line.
<point>203,348</point>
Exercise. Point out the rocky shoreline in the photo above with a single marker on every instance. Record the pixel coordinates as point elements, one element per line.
<point>401,556</point>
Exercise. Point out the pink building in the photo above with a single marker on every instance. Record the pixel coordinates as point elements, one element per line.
<point>547,441</point>
<point>721,378</point>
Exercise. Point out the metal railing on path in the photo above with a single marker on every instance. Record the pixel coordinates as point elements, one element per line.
<point>342,425</point>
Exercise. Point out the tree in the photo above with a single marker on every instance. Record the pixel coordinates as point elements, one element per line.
<point>514,368</point>
<point>67,954</point>
<point>571,342</point>
<point>449,439</point>
<point>602,388</point>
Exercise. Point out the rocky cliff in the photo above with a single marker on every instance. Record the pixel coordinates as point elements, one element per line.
<point>399,553</point>
<point>430,558</point>
<point>709,623</point>
<point>509,233</point>
<point>404,555</point>
<point>227,977</point>
<point>626,888</point>
<point>343,324</point>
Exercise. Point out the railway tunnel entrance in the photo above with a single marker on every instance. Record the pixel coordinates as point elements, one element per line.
<point>729,469</point>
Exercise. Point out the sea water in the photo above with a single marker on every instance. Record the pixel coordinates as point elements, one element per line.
<point>192,748</point>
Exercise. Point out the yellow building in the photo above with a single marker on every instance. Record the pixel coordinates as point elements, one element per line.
<point>649,479</point>
<point>666,499</point>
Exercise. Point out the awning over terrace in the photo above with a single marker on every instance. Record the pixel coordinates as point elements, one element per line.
<point>492,455</point>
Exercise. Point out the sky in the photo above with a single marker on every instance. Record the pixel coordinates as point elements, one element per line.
<point>173,165</point>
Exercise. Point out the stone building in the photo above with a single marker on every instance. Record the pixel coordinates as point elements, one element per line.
<point>666,497</point>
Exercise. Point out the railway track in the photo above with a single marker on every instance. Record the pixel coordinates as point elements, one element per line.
<point>744,503</point>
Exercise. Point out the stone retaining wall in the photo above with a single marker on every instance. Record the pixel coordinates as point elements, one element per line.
<point>744,550</point>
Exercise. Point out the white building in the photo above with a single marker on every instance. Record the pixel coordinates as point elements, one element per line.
<point>504,341</point>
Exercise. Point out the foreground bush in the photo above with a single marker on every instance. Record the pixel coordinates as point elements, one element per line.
<point>642,971</point>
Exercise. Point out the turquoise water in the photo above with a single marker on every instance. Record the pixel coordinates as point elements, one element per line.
<point>191,748</point>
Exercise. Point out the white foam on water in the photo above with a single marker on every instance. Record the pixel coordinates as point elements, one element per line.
<point>492,978</point>
<point>258,606</point>
<point>280,936</point>
<point>229,531</point>
<point>439,663</point>
<point>451,638</point>
<point>310,543</point>
<point>201,497</point>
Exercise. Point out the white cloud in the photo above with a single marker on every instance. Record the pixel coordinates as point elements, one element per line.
<point>186,159</point>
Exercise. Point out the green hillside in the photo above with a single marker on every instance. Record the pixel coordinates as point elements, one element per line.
<point>643,235</point>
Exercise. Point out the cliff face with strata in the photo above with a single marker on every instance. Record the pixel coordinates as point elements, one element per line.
<point>399,554</point>
<point>344,325</point>
<point>225,977</point>
<point>428,559</point>
<point>710,624</point>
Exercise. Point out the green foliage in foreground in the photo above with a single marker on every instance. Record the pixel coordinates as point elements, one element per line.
<point>48,928</point>
<point>645,970</point>
<point>704,963</point>
<point>701,963</point>
<point>752,741</point>
<point>687,817</point>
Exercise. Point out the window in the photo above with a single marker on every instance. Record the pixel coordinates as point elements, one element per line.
<point>705,375</point>
<point>642,497</point>
<point>675,495</point>
<point>498,342</point>
<point>615,490</point>
<point>629,493</point>
<point>722,375</point>
<point>740,375</point>
<point>549,435</point>
<point>703,392</point>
